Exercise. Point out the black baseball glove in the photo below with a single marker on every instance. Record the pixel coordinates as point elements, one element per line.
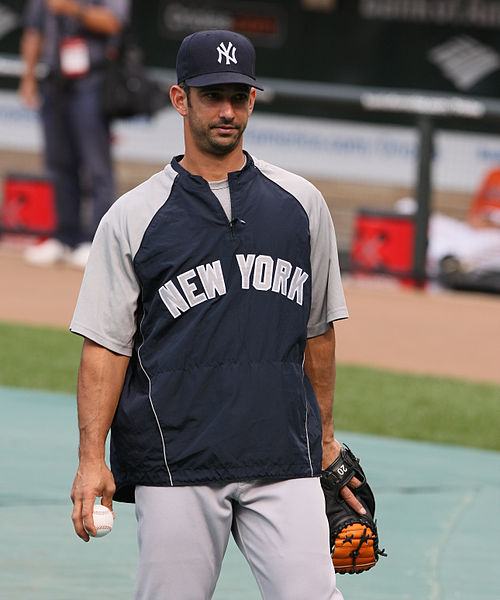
<point>353,537</point>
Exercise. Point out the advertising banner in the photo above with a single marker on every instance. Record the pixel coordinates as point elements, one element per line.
<point>450,46</point>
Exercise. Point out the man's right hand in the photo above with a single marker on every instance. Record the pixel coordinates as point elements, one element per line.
<point>28,90</point>
<point>93,480</point>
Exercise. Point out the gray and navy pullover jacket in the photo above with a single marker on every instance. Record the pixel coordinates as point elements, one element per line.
<point>214,315</point>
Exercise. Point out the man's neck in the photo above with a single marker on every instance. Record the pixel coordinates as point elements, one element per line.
<point>213,167</point>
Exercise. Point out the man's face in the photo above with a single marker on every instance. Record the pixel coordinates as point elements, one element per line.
<point>217,116</point>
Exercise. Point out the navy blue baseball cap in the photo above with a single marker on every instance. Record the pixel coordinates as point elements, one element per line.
<point>216,56</point>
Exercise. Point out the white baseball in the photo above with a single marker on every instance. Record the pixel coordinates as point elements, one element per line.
<point>103,520</point>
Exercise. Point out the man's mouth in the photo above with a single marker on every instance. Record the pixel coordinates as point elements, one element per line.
<point>223,128</point>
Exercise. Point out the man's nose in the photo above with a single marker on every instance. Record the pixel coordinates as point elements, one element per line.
<point>226,109</point>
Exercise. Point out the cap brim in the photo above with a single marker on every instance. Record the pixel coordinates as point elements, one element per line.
<point>225,77</point>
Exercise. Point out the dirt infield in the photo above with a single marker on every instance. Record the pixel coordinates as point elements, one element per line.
<point>433,332</point>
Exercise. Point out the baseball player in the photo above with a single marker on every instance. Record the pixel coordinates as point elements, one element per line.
<point>207,312</point>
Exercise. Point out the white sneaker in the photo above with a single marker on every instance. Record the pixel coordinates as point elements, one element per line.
<point>47,253</point>
<point>79,256</point>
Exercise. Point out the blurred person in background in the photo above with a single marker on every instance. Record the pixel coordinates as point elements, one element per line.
<point>70,38</point>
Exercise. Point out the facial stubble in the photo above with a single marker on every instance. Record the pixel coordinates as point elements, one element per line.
<point>207,141</point>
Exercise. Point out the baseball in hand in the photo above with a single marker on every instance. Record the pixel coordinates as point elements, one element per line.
<point>103,520</point>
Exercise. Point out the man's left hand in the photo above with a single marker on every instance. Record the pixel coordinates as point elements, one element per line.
<point>331,451</point>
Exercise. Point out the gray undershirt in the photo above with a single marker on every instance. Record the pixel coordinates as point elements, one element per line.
<point>221,191</point>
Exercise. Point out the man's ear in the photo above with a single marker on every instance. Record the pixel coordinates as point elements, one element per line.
<point>251,102</point>
<point>179,99</point>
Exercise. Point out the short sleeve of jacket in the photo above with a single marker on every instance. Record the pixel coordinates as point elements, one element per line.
<point>120,8</point>
<point>33,17</point>
<point>35,12</point>
<point>106,309</point>
<point>327,302</point>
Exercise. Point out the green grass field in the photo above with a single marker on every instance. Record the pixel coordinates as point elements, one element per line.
<point>367,400</point>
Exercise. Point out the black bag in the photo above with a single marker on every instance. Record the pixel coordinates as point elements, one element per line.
<point>127,89</point>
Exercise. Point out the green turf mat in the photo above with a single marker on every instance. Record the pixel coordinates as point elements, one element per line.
<point>430,499</point>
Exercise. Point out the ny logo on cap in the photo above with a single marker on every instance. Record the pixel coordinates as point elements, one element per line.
<point>228,53</point>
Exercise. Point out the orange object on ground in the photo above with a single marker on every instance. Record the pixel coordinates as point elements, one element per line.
<point>484,210</point>
<point>28,205</point>
<point>383,242</point>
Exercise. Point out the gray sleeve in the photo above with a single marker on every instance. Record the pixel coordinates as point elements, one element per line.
<point>106,307</point>
<point>328,302</point>
<point>34,13</point>
<point>120,8</point>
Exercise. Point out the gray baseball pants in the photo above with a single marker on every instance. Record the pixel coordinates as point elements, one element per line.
<point>280,527</point>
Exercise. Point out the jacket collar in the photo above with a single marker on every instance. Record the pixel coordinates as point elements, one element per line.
<point>244,172</point>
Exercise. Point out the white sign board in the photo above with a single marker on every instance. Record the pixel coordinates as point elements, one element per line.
<point>322,148</point>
